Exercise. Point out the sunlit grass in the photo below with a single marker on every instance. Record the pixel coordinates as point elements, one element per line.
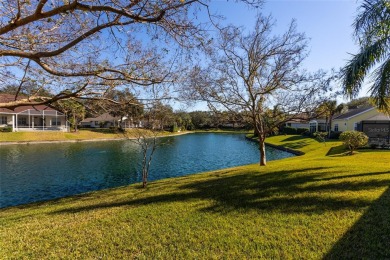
<point>308,207</point>
<point>65,136</point>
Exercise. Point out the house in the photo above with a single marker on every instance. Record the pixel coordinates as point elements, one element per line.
<point>31,118</point>
<point>318,125</point>
<point>298,123</point>
<point>369,120</point>
<point>313,123</point>
<point>106,120</point>
<point>350,120</point>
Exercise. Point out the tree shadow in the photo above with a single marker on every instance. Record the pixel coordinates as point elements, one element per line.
<point>293,138</point>
<point>337,151</point>
<point>287,191</point>
<point>295,142</point>
<point>369,237</point>
<point>104,130</point>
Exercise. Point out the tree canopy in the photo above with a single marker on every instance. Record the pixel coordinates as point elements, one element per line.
<point>372,31</point>
<point>80,48</point>
<point>259,73</point>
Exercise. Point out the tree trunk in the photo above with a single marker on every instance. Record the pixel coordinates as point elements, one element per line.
<point>256,132</point>
<point>330,126</point>
<point>74,122</point>
<point>263,160</point>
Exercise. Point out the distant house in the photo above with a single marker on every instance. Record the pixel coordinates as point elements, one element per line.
<point>303,121</point>
<point>106,120</point>
<point>31,118</point>
<point>318,125</point>
<point>298,123</point>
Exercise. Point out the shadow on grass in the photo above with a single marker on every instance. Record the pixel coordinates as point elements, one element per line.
<point>337,151</point>
<point>103,130</point>
<point>296,145</point>
<point>293,138</point>
<point>369,238</point>
<point>287,191</point>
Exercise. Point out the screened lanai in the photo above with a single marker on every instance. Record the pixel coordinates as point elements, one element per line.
<point>35,120</point>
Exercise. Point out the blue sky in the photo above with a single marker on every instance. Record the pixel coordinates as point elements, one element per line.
<point>327,23</point>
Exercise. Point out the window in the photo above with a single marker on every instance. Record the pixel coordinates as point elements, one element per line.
<point>3,120</point>
<point>56,122</point>
<point>22,121</point>
<point>355,126</point>
<point>336,127</point>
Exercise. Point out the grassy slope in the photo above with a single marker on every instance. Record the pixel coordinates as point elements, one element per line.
<point>312,206</point>
<point>64,136</point>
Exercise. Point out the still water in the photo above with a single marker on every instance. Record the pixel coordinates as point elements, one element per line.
<point>38,172</point>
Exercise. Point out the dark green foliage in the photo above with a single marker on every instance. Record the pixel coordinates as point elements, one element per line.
<point>301,131</point>
<point>289,130</point>
<point>294,131</point>
<point>321,136</point>
<point>353,140</point>
<point>372,30</point>
<point>174,128</point>
<point>334,135</point>
<point>6,129</point>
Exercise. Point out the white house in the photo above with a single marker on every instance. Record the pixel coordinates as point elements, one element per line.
<point>31,118</point>
<point>106,120</point>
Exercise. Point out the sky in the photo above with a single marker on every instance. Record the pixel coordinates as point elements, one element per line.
<point>326,23</point>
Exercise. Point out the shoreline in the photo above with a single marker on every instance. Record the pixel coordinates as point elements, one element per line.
<point>282,148</point>
<point>83,140</point>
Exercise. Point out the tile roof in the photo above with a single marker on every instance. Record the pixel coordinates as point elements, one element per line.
<point>5,98</point>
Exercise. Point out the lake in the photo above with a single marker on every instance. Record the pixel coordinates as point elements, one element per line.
<point>38,172</point>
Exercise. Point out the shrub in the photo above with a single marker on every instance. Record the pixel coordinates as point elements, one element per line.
<point>373,146</point>
<point>334,135</point>
<point>6,129</point>
<point>301,131</point>
<point>289,130</point>
<point>353,140</point>
<point>320,136</point>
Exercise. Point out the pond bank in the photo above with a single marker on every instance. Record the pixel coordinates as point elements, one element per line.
<point>279,147</point>
<point>119,138</point>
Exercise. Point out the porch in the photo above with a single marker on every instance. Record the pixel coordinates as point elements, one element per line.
<point>39,120</point>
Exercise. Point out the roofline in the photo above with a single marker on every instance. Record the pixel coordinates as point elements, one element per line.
<point>364,111</point>
<point>8,113</point>
<point>17,113</point>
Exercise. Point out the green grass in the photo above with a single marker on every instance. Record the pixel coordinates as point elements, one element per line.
<point>312,206</point>
<point>91,134</point>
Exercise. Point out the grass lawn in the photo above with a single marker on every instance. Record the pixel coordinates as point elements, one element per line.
<point>84,134</point>
<point>323,204</point>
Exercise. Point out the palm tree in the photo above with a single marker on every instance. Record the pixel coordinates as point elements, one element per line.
<point>329,108</point>
<point>372,30</point>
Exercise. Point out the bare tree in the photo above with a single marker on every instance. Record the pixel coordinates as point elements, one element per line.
<point>76,48</point>
<point>259,73</point>
<point>147,141</point>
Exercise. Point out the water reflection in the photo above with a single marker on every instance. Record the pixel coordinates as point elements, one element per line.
<point>46,171</point>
